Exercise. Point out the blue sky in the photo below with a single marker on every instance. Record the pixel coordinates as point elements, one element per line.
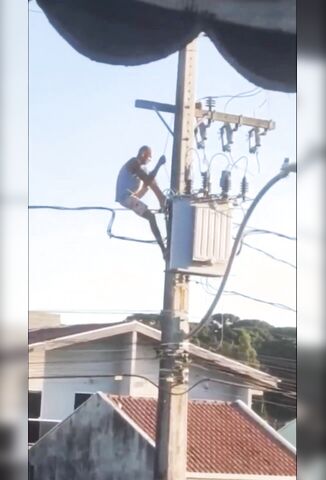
<point>83,126</point>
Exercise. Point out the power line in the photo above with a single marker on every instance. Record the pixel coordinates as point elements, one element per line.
<point>255,231</point>
<point>254,93</point>
<point>110,225</point>
<point>273,304</point>
<point>153,345</point>
<point>113,360</point>
<point>255,299</point>
<point>142,377</point>
<point>268,255</point>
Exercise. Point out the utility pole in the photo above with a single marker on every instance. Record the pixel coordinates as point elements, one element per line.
<point>170,462</point>
<point>171,428</point>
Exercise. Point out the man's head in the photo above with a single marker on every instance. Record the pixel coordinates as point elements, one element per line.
<point>144,154</point>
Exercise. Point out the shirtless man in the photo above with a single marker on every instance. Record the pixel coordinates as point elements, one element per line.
<point>132,184</point>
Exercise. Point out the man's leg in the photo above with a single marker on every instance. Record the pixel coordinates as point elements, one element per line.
<point>141,209</point>
<point>155,230</point>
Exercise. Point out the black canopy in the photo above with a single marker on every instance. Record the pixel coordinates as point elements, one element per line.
<point>257,37</point>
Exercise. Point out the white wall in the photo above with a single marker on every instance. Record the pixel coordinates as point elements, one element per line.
<point>87,368</point>
<point>96,361</point>
<point>216,391</point>
<point>147,366</point>
<point>36,369</point>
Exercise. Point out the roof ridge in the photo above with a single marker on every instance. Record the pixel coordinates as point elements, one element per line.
<point>192,401</point>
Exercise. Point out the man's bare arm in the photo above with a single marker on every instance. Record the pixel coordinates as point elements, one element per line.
<point>147,178</point>
<point>136,169</point>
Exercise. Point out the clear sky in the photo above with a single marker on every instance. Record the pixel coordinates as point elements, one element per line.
<point>83,126</point>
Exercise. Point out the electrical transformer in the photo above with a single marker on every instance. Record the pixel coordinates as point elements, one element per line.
<point>201,236</point>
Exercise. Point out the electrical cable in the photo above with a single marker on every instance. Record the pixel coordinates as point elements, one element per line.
<point>285,170</point>
<point>219,154</point>
<point>269,358</point>
<point>269,255</point>
<point>259,300</point>
<point>268,232</point>
<point>257,161</point>
<point>211,364</point>
<point>243,157</point>
<point>241,94</point>
<point>142,377</point>
<point>110,225</point>
<point>255,91</point>
<point>104,361</point>
<point>273,304</point>
<point>192,149</point>
<point>56,207</point>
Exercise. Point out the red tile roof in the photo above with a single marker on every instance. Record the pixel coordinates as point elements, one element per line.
<point>222,438</point>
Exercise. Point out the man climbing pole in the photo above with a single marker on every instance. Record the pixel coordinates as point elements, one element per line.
<point>132,184</point>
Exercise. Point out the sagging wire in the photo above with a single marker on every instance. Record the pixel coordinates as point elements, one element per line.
<point>281,260</point>
<point>254,231</point>
<point>250,93</point>
<point>166,145</point>
<point>119,376</point>
<point>285,170</point>
<point>200,161</point>
<point>241,94</point>
<point>110,225</point>
<point>249,297</point>
<point>259,300</point>
<point>257,160</point>
<point>228,160</point>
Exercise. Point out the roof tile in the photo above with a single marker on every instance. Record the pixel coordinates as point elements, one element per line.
<point>222,438</point>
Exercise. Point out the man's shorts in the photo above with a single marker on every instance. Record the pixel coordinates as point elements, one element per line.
<point>133,203</point>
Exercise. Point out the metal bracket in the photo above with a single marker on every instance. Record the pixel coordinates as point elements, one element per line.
<point>163,120</point>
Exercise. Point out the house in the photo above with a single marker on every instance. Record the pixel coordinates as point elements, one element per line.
<point>113,438</point>
<point>289,432</point>
<point>67,364</point>
<point>37,320</point>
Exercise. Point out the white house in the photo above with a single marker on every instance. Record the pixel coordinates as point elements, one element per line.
<point>113,437</point>
<point>69,363</point>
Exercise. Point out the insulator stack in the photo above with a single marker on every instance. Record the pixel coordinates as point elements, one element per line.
<point>188,180</point>
<point>206,185</point>
<point>210,103</point>
<point>225,183</point>
<point>188,188</point>
<point>244,187</point>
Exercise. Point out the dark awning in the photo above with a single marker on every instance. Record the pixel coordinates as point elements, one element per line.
<point>257,37</point>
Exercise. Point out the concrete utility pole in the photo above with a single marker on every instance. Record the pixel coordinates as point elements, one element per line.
<point>171,429</point>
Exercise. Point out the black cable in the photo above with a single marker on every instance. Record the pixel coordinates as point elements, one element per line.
<point>249,297</point>
<point>109,228</point>
<point>285,170</point>
<point>268,232</point>
<point>259,300</point>
<point>142,377</point>
<point>57,207</point>
<point>269,255</point>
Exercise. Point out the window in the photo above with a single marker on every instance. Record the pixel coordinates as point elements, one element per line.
<point>34,412</point>
<point>80,398</point>
<point>34,404</point>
